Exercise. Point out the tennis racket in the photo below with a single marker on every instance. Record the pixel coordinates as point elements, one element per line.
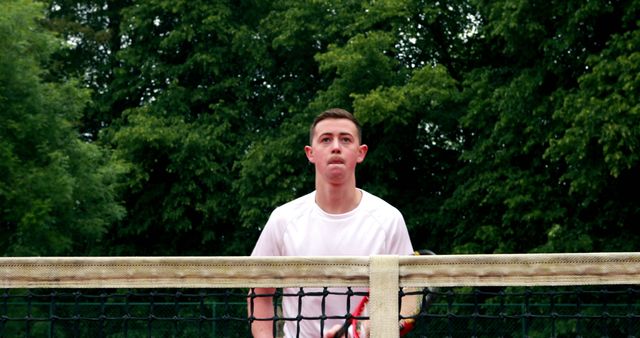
<point>355,327</point>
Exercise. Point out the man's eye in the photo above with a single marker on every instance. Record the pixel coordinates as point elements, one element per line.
<point>325,139</point>
<point>346,140</point>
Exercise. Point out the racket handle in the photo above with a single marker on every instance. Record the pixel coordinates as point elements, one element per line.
<point>343,332</point>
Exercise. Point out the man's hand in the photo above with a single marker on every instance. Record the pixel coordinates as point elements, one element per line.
<point>334,330</point>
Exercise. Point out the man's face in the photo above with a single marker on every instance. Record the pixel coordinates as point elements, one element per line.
<point>335,150</point>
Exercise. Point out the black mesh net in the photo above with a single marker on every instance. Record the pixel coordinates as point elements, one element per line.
<point>583,311</point>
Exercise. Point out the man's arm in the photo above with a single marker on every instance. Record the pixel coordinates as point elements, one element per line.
<point>260,306</point>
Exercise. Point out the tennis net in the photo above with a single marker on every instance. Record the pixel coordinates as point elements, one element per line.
<point>529,295</point>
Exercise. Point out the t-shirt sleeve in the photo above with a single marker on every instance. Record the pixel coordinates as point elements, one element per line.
<point>400,242</point>
<point>270,241</point>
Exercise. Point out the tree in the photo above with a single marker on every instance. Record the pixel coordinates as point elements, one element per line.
<point>92,28</point>
<point>598,149</point>
<point>494,126</point>
<point>189,117</point>
<point>522,185</point>
<point>57,192</point>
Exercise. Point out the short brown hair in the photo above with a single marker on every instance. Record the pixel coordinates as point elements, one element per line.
<point>335,113</point>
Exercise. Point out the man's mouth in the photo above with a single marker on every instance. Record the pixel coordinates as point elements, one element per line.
<point>336,161</point>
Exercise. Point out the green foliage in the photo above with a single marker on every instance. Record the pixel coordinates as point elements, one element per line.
<point>599,146</point>
<point>57,193</point>
<point>190,121</point>
<point>92,30</point>
<point>494,126</point>
<point>530,154</point>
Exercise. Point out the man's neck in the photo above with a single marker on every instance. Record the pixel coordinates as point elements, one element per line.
<point>338,199</point>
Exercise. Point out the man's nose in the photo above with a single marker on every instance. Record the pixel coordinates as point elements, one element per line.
<point>335,146</point>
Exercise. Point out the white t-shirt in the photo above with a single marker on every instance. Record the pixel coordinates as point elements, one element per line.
<point>301,228</point>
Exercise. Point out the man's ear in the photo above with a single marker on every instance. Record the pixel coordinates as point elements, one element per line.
<point>362,152</point>
<point>309,152</point>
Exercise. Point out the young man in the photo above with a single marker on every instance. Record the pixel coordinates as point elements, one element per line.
<point>337,219</point>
